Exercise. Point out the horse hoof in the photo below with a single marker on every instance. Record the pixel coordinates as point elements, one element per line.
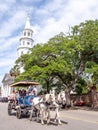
<point>59,123</point>
<point>30,119</point>
<point>42,123</point>
<point>47,123</point>
<point>55,120</point>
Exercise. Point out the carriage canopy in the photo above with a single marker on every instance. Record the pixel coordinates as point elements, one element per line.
<point>24,84</point>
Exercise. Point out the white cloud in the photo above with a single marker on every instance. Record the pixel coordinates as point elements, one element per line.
<point>6,4</point>
<point>12,24</point>
<point>7,43</point>
<point>51,27</point>
<point>6,62</point>
<point>60,15</point>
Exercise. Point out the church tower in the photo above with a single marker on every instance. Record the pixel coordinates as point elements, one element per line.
<point>26,41</point>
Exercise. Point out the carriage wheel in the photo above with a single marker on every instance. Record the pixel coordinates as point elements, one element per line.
<point>18,113</point>
<point>9,109</point>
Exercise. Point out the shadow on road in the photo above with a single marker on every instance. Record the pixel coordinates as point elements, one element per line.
<point>52,122</point>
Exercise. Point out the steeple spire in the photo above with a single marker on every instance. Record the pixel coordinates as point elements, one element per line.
<point>27,25</point>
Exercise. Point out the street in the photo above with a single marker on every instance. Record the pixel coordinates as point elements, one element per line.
<point>71,120</point>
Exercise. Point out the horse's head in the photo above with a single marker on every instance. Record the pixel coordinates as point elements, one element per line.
<point>62,97</point>
<point>52,96</point>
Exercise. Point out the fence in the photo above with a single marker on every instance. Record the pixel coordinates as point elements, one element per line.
<point>86,98</point>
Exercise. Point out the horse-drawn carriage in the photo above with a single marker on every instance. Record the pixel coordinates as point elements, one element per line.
<point>22,105</point>
<point>40,105</point>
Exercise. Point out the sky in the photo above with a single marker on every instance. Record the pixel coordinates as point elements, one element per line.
<point>47,17</point>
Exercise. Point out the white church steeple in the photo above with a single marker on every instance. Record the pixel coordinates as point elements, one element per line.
<point>26,41</point>
<point>27,25</point>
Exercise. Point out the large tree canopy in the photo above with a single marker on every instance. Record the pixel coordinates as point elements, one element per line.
<point>63,60</point>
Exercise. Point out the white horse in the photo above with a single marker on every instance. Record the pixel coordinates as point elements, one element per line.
<point>44,106</point>
<point>50,99</point>
<point>39,105</point>
<point>61,98</point>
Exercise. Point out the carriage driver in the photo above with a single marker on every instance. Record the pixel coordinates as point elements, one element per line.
<point>32,90</point>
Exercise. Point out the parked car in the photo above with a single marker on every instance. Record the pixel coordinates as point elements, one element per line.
<point>0,99</point>
<point>79,103</point>
<point>3,99</point>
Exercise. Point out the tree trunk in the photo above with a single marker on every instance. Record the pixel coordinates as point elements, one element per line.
<point>68,99</point>
<point>94,97</point>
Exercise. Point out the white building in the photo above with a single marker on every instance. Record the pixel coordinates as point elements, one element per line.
<point>5,89</point>
<point>26,41</point>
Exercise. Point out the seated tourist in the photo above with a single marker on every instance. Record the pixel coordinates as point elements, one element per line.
<point>12,95</point>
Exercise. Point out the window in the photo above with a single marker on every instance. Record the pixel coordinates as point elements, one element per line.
<point>28,43</point>
<point>23,42</point>
<point>28,33</point>
<point>21,52</point>
<point>24,33</point>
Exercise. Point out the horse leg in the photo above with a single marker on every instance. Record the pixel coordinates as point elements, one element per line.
<point>42,117</point>
<point>37,118</point>
<point>57,116</point>
<point>48,116</point>
<point>42,112</point>
<point>55,119</point>
<point>31,114</point>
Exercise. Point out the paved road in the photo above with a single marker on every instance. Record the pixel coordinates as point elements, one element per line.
<point>71,120</point>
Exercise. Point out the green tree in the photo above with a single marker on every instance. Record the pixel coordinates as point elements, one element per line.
<point>63,60</point>
<point>14,71</point>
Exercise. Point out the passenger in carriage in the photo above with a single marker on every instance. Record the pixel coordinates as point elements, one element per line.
<point>20,92</point>
<point>23,93</point>
<point>19,97</point>
<point>12,95</point>
<point>17,94</point>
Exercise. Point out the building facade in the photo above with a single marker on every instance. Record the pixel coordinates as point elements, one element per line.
<point>5,89</point>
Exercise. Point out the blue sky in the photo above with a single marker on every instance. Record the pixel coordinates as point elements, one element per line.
<point>47,17</point>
